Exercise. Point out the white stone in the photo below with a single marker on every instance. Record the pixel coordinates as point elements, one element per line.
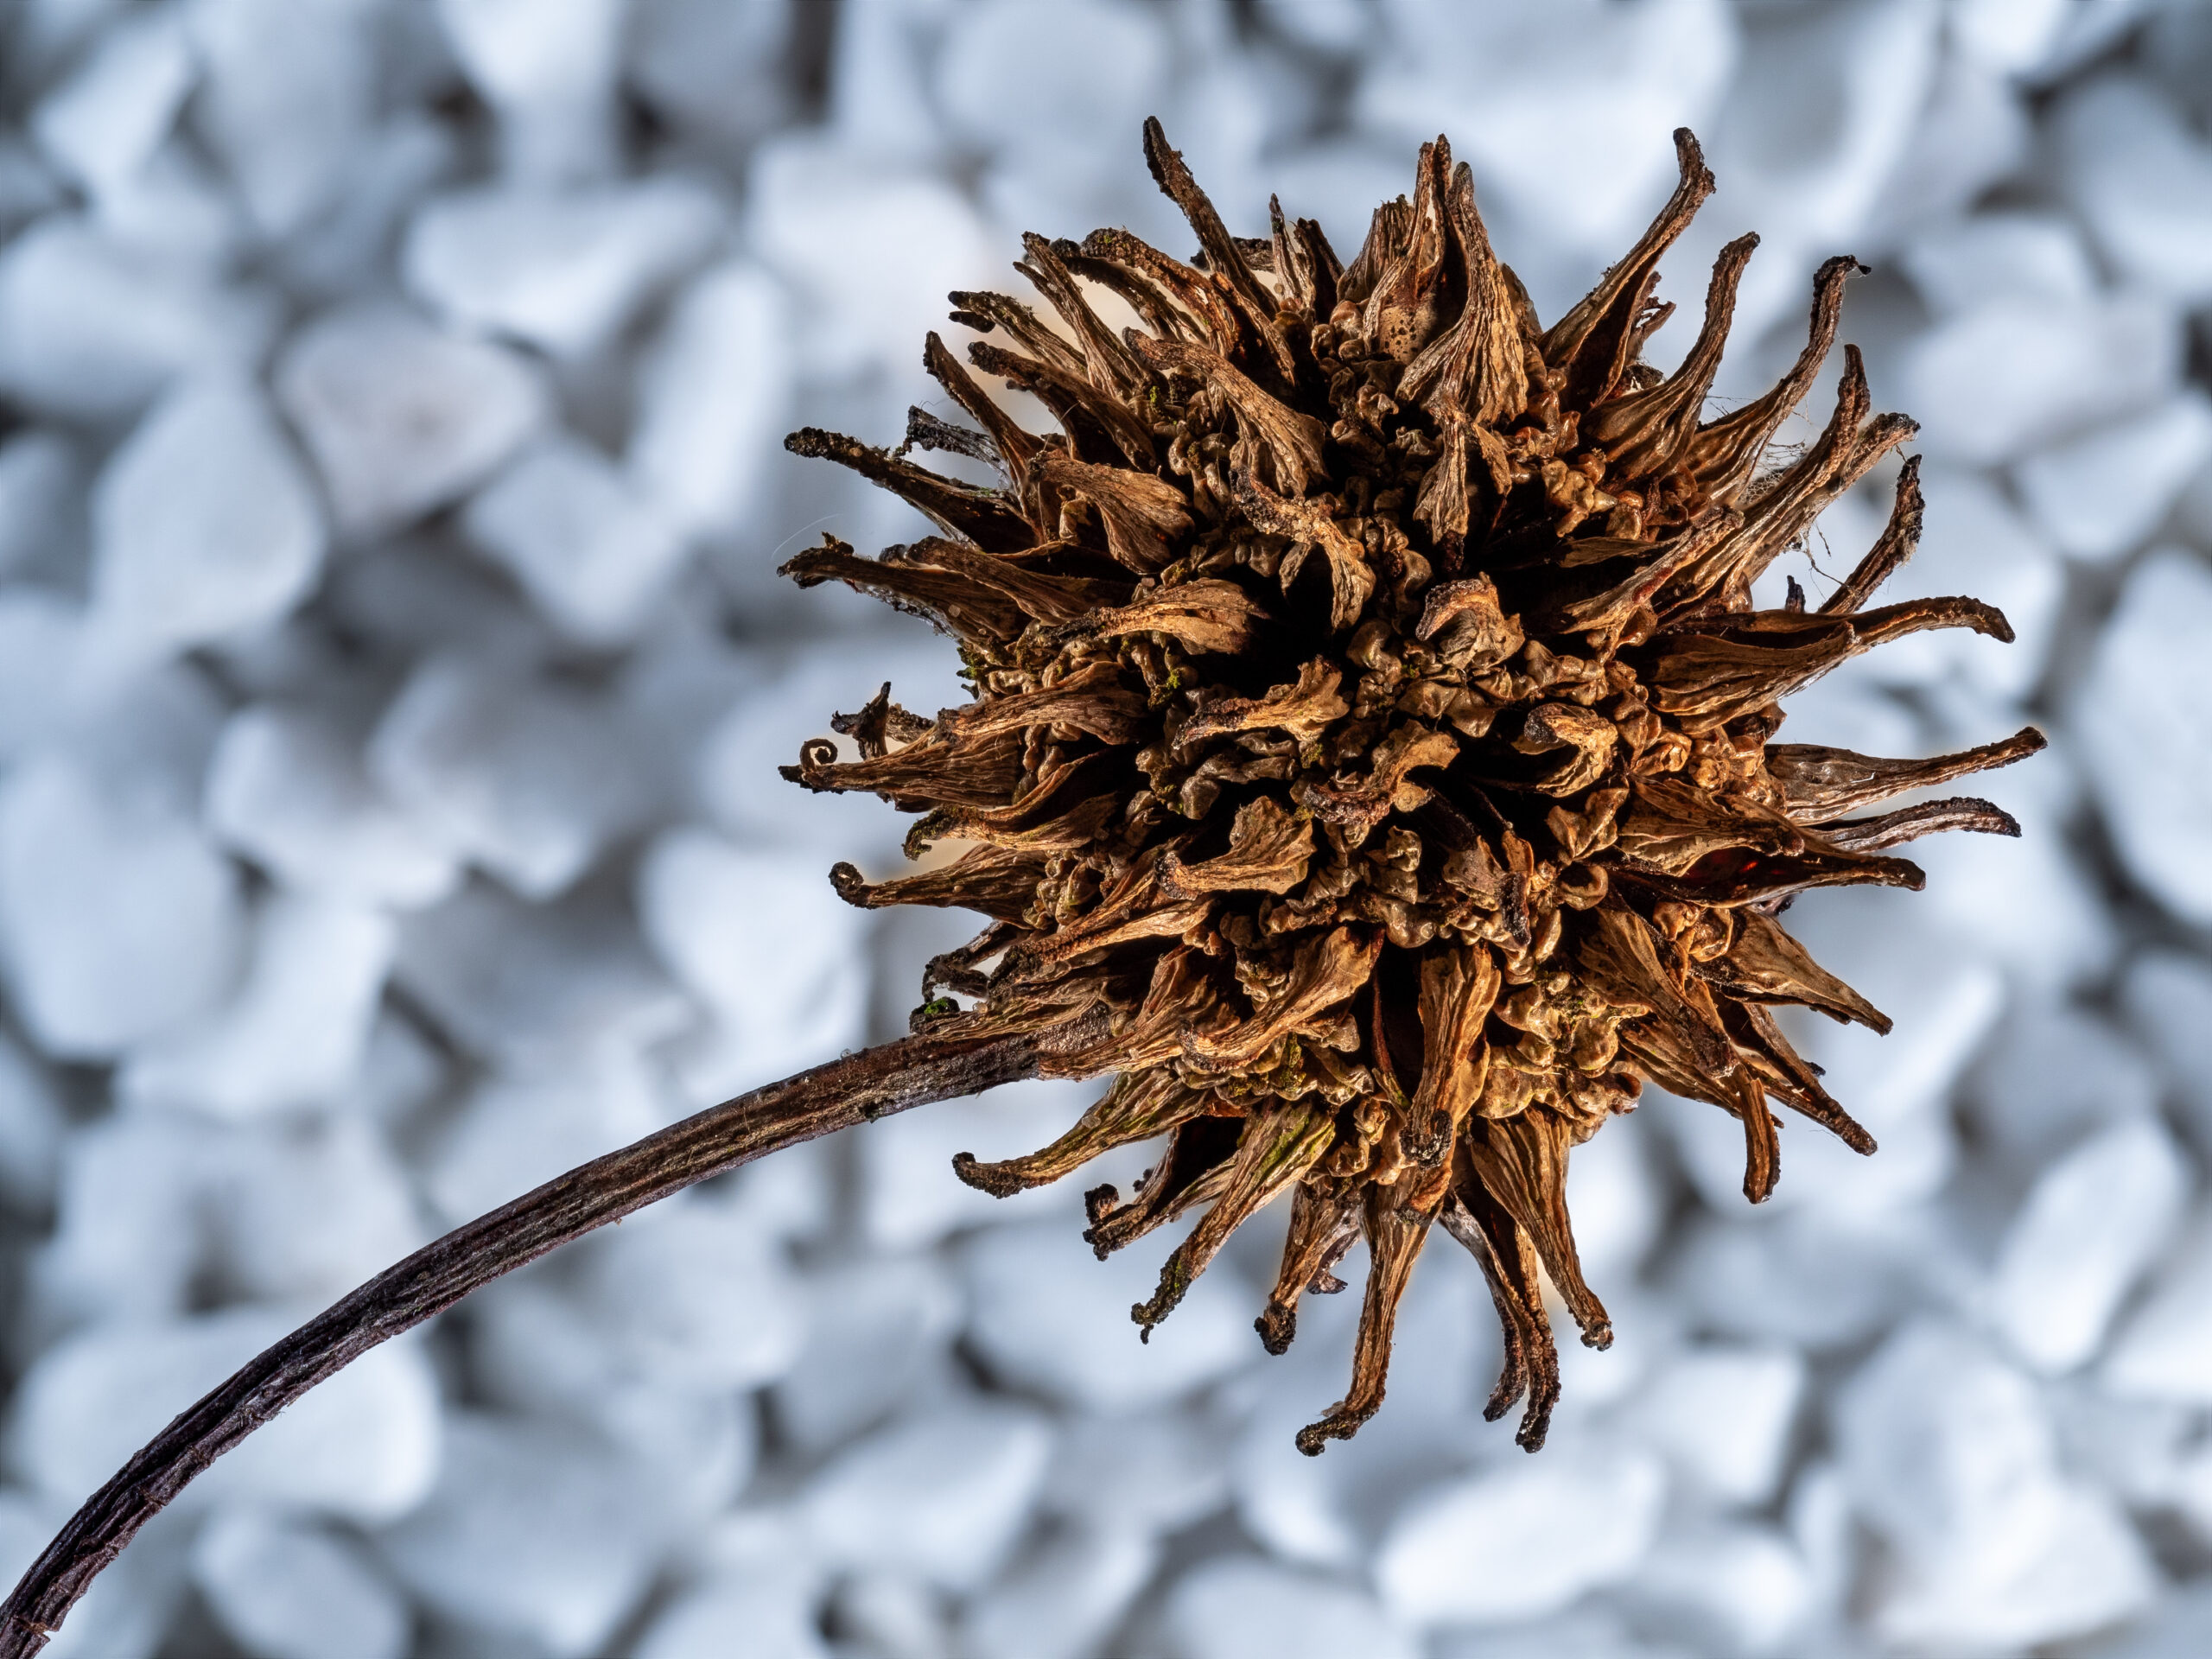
<point>734,767</point>
<point>761,938</point>
<point>204,523</point>
<point>286,790</point>
<point>1060,1602</point>
<point>1827,106</point>
<point>1009,73</point>
<point>295,1031</point>
<point>524,1127</point>
<point>2167,997</point>
<point>290,1592</point>
<point>1609,85</point>
<point>525,779</point>
<point>536,1347</point>
<point>876,1331</point>
<point>873,250</point>
<point>2163,1351</point>
<point>2133,170</point>
<point>692,1295</point>
<point>32,1126</point>
<point>103,123</point>
<point>1973,541</point>
<point>592,553</point>
<point>1950,1454</point>
<point>2091,1225</point>
<point>2016,374</point>
<point>1522,1540</point>
<point>717,71</point>
<point>1047,1315</point>
<point>288,100</point>
<point>2099,496</point>
<point>532,1530</point>
<point>565,272</point>
<point>1723,1416</point>
<point>712,394</point>
<point>2054,1075</point>
<point>1150,1473</point>
<point>2014,36</point>
<point>302,1212</point>
<point>534,985</point>
<point>909,1195</point>
<point>942,1495</point>
<point>400,418</point>
<point>363,1447</point>
<point>891,1612</point>
<point>126,1612</point>
<point>1240,1607</point>
<point>2178,1628</point>
<point>1796,1277</point>
<point>1959,266</point>
<point>118,924</point>
<point>549,70</point>
<point>1945,1448</point>
<point>41,498</point>
<point>90,328</point>
<point>1617,1199</point>
<point>1737,1588</point>
<point>2142,716</point>
<point>41,637</point>
<point>2087,1571</point>
<point>131,1232</point>
<point>755,1614</point>
<point>1974,133</point>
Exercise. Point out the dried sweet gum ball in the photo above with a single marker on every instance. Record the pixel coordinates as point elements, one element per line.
<point>1371,721</point>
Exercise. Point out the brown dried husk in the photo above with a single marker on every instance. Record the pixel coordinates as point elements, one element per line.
<point>1371,721</point>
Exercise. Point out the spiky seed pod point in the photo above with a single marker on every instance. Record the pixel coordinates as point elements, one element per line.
<point>1371,719</point>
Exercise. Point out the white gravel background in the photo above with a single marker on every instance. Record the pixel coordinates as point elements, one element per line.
<point>391,679</point>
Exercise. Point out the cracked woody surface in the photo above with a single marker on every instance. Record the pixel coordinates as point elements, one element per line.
<point>1371,719</point>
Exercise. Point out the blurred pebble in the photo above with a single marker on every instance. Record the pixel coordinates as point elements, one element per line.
<point>1239,1607</point>
<point>533,1530</point>
<point>563,272</point>
<point>2143,709</point>
<point>2092,1222</point>
<point>1522,1541</point>
<point>400,417</point>
<point>290,1592</point>
<point>941,1494</point>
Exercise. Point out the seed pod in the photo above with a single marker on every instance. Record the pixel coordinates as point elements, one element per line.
<point>1372,728</point>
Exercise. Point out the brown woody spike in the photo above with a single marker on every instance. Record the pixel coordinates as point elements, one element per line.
<point>1324,1221</point>
<point>1930,817</point>
<point>1820,784</point>
<point>1099,428</point>
<point>1644,431</point>
<point>1015,444</point>
<point>1899,537</point>
<point>983,517</point>
<point>1278,1148</point>
<point>1723,456</point>
<point>1522,1162</point>
<point>1139,1105</point>
<point>1000,884</point>
<point>985,312</point>
<point>1509,1267</point>
<point>1222,255</point>
<point>1397,1226</point>
<point>1588,346</point>
<point>1111,369</point>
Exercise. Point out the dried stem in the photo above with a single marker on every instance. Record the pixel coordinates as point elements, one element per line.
<point>855,1089</point>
